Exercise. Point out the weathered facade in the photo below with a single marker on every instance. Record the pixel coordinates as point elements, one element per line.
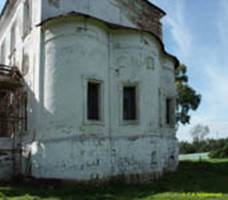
<point>100,91</point>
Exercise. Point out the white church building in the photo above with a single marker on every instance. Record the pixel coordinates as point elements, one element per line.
<point>87,91</point>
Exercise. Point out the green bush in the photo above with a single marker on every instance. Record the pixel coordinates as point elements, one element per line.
<point>217,148</point>
<point>221,152</point>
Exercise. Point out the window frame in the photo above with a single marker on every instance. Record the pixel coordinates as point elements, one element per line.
<point>137,93</point>
<point>3,53</point>
<point>25,63</point>
<point>87,121</point>
<point>13,38</point>
<point>170,103</point>
<point>27,25</point>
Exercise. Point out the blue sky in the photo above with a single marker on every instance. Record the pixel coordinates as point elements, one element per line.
<point>196,32</point>
<point>1,3</point>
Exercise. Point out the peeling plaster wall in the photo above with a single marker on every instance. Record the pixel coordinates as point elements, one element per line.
<point>62,142</point>
<point>91,158</point>
<point>69,147</point>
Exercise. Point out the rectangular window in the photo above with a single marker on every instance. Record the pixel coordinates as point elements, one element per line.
<point>168,111</point>
<point>25,63</point>
<point>27,25</point>
<point>129,103</point>
<point>12,37</point>
<point>3,53</point>
<point>94,101</point>
<point>25,113</point>
<point>3,114</point>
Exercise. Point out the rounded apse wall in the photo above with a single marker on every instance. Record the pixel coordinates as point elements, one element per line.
<point>76,49</point>
<point>79,49</point>
<point>73,49</point>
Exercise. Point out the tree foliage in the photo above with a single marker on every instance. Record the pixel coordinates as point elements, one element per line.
<point>216,148</point>
<point>199,132</point>
<point>188,99</point>
<point>221,152</point>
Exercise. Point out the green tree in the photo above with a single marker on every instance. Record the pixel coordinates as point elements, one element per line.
<point>188,99</point>
<point>199,132</point>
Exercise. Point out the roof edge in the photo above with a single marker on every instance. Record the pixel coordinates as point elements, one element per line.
<point>4,8</point>
<point>113,26</point>
<point>6,5</point>
<point>156,7</point>
<point>147,1</point>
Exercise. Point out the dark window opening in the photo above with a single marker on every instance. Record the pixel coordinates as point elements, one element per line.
<point>3,53</point>
<point>27,16</point>
<point>168,111</point>
<point>3,114</point>
<point>25,109</point>
<point>93,101</point>
<point>129,103</point>
<point>13,38</point>
<point>2,95</point>
<point>25,65</point>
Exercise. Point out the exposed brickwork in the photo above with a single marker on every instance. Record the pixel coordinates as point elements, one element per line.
<point>146,16</point>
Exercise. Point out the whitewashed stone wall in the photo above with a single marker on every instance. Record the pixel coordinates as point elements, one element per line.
<point>62,57</point>
<point>77,49</point>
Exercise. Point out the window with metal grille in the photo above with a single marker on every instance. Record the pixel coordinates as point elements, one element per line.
<point>93,101</point>
<point>129,103</point>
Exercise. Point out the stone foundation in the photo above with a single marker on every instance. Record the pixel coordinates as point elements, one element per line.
<point>101,159</point>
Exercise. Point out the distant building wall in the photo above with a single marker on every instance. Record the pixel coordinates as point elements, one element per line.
<point>21,49</point>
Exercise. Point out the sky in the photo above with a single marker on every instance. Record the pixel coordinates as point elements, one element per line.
<point>196,32</point>
<point>1,4</point>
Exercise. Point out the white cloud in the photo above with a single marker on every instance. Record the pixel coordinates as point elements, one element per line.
<point>180,34</point>
<point>216,70</point>
<point>217,129</point>
<point>222,22</point>
<point>175,21</point>
<point>217,93</point>
<point>214,109</point>
<point>209,66</point>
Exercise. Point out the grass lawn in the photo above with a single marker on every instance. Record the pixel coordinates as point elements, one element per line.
<point>206,180</point>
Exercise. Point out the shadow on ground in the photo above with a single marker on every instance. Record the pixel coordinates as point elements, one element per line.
<point>207,177</point>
